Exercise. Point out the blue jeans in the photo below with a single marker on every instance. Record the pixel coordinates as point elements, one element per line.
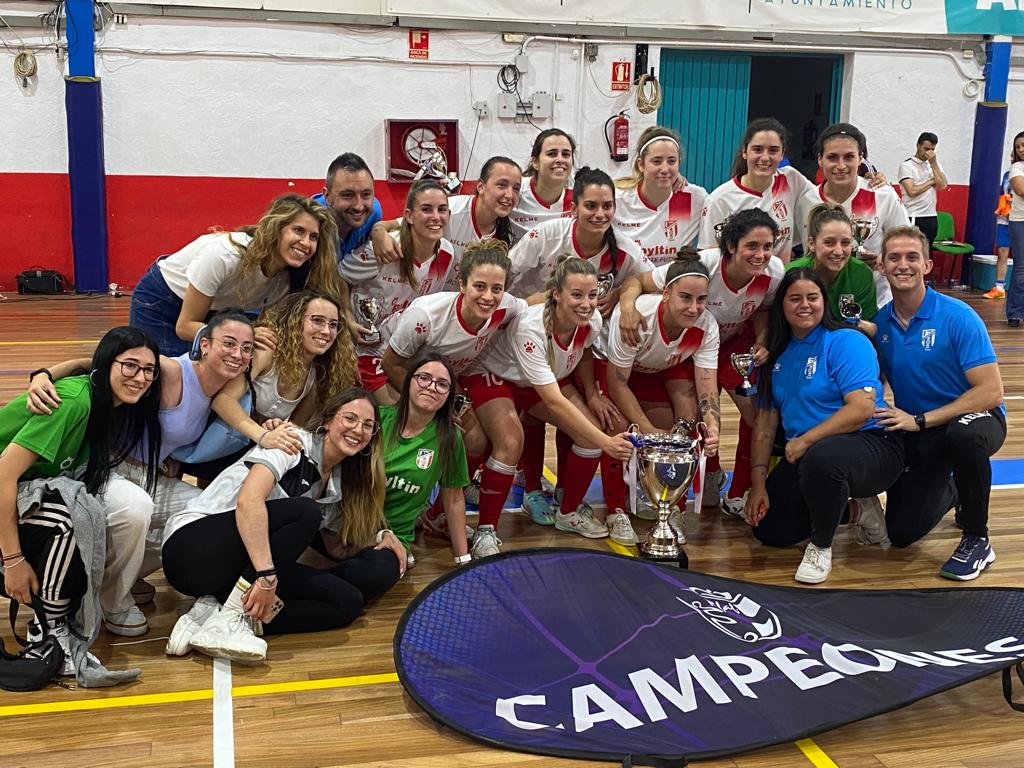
<point>155,310</point>
<point>1015,287</point>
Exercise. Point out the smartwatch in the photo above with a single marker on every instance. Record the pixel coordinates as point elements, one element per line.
<point>919,420</point>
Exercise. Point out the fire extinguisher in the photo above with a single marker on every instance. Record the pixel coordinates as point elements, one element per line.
<point>618,138</point>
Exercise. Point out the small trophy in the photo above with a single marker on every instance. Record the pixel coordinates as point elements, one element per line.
<point>862,229</point>
<point>743,364</point>
<point>604,284</point>
<point>667,466</point>
<point>461,404</point>
<point>371,310</point>
<point>849,310</point>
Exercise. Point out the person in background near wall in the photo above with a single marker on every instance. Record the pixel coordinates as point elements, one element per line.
<point>939,361</point>
<point>293,244</point>
<point>919,177</point>
<point>1002,212</point>
<point>547,193</point>
<point>1015,292</point>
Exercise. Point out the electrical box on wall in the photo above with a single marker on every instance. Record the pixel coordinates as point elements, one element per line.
<point>409,144</point>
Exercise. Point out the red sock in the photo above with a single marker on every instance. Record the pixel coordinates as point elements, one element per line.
<point>741,467</point>
<point>579,471</point>
<point>712,464</point>
<point>613,483</point>
<point>532,460</point>
<point>494,487</point>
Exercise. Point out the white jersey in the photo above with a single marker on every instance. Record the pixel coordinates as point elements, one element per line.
<point>918,171</point>
<point>731,308</point>
<point>462,232</point>
<point>882,207</point>
<point>656,351</point>
<point>531,210</point>
<point>367,277</point>
<point>534,257</point>
<point>435,321</point>
<point>779,201</point>
<point>520,355</point>
<point>661,231</point>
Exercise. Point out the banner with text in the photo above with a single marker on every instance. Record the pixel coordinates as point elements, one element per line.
<point>590,654</point>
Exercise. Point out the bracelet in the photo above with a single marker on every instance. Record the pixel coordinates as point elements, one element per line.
<point>259,443</point>
<point>463,559</point>
<point>273,584</point>
<point>380,534</point>
<point>267,572</point>
<point>8,566</point>
<point>5,558</point>
<point>37,371</point>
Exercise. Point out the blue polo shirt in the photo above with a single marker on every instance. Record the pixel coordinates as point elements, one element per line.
<point>358,236</point>
<point>813,374</point>
<point>926,364</point>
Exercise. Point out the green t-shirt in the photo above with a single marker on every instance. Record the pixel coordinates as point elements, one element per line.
<point>58,439</point>
<point>856,279</point>
<point>413,468</point>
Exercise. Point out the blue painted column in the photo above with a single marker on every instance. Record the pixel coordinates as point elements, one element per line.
<point>987,156</point>
<point>83,103</point>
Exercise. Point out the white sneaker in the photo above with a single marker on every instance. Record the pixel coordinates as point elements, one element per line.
<point>645,510</point>
<point>228,634</point>
<point>870,523</point>
<point>581,521</point>
<point>180,641</point>
<point>63,635</point>
<point>714,482</point>
<point>733,506</point>
<point>816,565</point>
<point>485,542</point>
<point>621,529</point>
<point>130,623</point>
<point>675,522</point>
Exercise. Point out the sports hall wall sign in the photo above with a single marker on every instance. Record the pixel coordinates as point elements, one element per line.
<point>594,655</point>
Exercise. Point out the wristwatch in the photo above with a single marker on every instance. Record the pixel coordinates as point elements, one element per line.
<point>37,371</point>
<point>919,420</point>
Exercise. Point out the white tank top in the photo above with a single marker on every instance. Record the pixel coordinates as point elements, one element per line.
<point>268,402</point>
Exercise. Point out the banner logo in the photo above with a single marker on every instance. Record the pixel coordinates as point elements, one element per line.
<point>736,615</point>
<point>985,17</point>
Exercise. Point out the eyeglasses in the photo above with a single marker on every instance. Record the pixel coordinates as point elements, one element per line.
<point>130,370</point>
<point>425,380</point>
<point>352,421</point>
<point>231,345</point>
<point>320,322</point>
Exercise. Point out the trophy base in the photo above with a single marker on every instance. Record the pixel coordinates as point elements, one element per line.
<point>746,391</point>
<point>678,560</point>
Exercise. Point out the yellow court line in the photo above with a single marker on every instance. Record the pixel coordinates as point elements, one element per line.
<point>204,694</point>
<point>813,753</point>
<point>37,343</point>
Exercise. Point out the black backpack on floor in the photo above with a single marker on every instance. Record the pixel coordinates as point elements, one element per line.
<point>37,663</point>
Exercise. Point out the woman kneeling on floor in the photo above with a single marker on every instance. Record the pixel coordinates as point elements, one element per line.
<point>236,546</point>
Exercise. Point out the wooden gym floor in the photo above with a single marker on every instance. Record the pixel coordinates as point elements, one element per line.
<point>332,699</point>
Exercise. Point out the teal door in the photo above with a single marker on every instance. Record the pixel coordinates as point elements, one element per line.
<point>705,99</point>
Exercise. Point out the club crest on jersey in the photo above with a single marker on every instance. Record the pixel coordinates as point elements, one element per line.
<point>811,368</point>
<point>671,229</point>
<point>748,308</point>
<point>928,338</point>
<point>424,458</point>
<point>780,210</point>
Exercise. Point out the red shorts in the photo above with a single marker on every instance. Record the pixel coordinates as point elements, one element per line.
<point>484,387</point>
<point>371,372</point>
<point>740,343</point>
<point>646,387</point>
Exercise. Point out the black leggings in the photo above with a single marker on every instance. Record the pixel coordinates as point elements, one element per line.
<point>946,465</point>
<point>207,556</point>
<point>808,498</point>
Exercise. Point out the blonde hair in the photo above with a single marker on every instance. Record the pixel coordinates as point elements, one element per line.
<point>335,368</point>
<point>649,134</point>
<point>362,477</point>
<point>567,264</point>
<point>262,254</point>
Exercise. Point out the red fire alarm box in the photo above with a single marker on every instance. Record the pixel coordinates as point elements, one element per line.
<point>411,143</point>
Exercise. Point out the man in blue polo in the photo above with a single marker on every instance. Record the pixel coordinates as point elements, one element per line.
<point>939,360</point>
<point>348,191</point>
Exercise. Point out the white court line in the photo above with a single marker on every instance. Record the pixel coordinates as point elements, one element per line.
<point>223,717</point>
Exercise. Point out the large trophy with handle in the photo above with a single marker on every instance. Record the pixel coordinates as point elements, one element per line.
<point>667,464</point>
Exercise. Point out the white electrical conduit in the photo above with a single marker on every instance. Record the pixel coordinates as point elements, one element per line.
<point>303,57</point>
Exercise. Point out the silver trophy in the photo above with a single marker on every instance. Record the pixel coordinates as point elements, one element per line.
<point>849,310</point>
<point>743,364</point>
<point>667,465</point>
<point>862,229</point>
<point>461,404</point>
<point>370,308</point>
<point>604,284</point>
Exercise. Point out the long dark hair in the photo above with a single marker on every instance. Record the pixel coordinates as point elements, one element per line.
<point>740,224</point>
<point>407,264</point>
<point>779,332</point>
<point>739,165</point>
<point>538,147</point>
<point>446,430</point>
<point>502,227</point>
<point>585,177</point>
<point>112,433</point>
<point>1013,149</point>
